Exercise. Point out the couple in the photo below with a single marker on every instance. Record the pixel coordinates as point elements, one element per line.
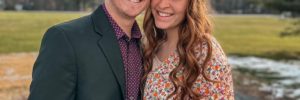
<point>101,56</point>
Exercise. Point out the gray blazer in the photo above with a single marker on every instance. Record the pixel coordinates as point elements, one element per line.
<point>79,60</point>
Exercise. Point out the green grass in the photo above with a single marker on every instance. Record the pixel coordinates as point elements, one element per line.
<point>239,35</point>
<point>22,31</point>
<point>257,36</point>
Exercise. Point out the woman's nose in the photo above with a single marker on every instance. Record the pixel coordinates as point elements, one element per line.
<point>164,4</point>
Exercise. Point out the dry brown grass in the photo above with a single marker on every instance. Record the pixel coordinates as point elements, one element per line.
<point>15,75</point>
<point>16,70</point>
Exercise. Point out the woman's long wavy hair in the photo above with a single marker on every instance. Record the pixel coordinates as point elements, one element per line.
<point>194,30</point>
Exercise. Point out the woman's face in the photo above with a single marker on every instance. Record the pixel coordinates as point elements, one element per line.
<point>168,14</point>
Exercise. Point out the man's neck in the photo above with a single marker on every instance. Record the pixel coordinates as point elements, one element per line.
<point>125,22</point>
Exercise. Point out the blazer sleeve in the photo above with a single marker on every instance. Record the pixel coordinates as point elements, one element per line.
<point>54,72</point>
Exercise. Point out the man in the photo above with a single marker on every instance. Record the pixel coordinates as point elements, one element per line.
<point>96,57</point>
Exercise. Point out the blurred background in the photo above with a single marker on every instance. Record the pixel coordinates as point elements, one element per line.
<point>260,37</point>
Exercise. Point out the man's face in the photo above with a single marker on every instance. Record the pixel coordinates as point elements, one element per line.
<point>130,8</point>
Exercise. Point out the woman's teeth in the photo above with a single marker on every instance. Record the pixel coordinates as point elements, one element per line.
<point>135,1</point>
<point>164,14</point>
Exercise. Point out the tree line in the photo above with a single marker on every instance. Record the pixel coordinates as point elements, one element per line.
<point>221,6</point>
<point>57,5</point>
<point>256,6</point>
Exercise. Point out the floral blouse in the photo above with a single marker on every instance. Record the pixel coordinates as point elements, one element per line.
<point>159,87</point>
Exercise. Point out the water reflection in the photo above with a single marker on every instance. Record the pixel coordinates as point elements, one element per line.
<point>281,78</point>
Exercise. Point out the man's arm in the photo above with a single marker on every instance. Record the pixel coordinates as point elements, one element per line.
<point>54,72</point>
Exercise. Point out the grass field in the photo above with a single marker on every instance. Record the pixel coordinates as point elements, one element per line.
<point>257,36</point>
<point>21,32</point>
<point>15,75</point>
<point>239,35</point>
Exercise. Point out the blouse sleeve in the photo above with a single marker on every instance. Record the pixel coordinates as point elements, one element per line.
<point>217,70</point>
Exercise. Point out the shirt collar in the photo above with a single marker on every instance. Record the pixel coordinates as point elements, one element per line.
<point>135,30</point>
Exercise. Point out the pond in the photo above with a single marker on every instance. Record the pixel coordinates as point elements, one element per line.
<point>281,78</point>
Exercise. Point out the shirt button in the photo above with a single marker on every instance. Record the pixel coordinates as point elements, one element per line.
<point>131,98</point>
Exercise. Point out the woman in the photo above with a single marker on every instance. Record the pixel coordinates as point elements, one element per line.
<point>182,59</point>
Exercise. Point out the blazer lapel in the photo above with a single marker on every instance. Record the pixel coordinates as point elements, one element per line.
<point>109,46</point>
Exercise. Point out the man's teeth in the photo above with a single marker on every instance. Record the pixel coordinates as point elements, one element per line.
<point>164,14</point>
<point>135,1</point>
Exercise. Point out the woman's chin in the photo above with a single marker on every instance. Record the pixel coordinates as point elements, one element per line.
<point>162,26</point>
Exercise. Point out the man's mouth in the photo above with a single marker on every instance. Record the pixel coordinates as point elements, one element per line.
<point>135,1</point>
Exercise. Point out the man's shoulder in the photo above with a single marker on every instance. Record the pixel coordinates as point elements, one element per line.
<point>73,29</point>
<point>82,23</point>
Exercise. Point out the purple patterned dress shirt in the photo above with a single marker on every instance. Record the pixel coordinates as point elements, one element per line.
<point>131,56</point>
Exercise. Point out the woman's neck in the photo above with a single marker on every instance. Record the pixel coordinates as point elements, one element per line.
<point>170,45</point>
<point>172,37</point>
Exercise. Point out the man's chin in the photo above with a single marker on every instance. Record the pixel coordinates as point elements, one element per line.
<point>135,1</point>
<point>137,7</point>
<point>133,14</point>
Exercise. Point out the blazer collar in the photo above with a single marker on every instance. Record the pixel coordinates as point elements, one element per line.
<point>101,22</point>
<point>108,44</point>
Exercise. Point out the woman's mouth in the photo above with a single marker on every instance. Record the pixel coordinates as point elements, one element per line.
<point>163,14</point>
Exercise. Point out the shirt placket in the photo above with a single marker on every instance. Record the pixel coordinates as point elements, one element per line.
<point>129,83</point>
<point>128,50</point>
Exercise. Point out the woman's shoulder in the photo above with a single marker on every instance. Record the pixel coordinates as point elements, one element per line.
<point>217,54</point>
<point>217,65</point>
<point>217,69</point>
